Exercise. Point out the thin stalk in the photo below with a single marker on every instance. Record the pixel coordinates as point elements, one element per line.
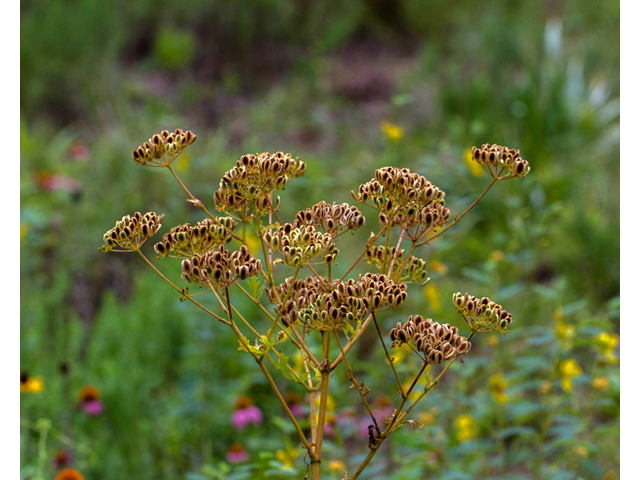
<point>399,415</point>
<point>404,264</point>
<point>353,265</point>
<point>312,395</point>
<point>259,361</point>
<point>198,203</point>
<point>324,393</point>
<point>352,341</point>
<point>375,321</point>
<point>217,317</point>
<point>393,258</point>
<point>355,382</point>
<point>264,310</point>
<point>459,217</point>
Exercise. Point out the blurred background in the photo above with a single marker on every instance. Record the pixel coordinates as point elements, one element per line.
<point>121,380</point>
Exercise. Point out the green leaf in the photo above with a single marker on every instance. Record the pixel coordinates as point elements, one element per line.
<point>281,365</point>
<point>256,287</point>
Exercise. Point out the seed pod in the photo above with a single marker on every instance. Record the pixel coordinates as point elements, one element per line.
<point>402,336</point>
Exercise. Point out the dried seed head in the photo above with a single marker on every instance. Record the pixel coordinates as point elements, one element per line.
<point>220,267</point>
<point>130,233</point>
<point>249,186</point>
<point>299,244</point>
<point>482,315</point>
<point>187,240</point>
<point>498,158</point>
<point>332,219</point>
<point>162,149</point>
<point>438,342</point>
<point>405,200</point>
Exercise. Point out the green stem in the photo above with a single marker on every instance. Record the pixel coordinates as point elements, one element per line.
<point>217,317</point>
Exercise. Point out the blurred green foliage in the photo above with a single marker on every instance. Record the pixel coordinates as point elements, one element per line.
<point>317,79</point>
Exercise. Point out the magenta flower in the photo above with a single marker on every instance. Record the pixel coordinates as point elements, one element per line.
<point>237,454</point>
<point>91,400</point>
<point>294,402</point>
<point>93,407</point>
<point>244,416</point>
<point>297,410</point>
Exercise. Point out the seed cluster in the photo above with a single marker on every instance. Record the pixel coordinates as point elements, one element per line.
<point>299,294</point>
<point>186,240</point>
<point>249,185</point>
<point>497,157</point>
<point>333,219</point>
<point>482,315</point>
<point>406,200</point>
<point>300,244</point>
<point>438,342</point>
<point>330,306</point>
<point>163,148</point>
<point>220,267</point>
<point>380,292</point>
<point>381,257</point>
<point>332,311</point>
<point>131,232</point>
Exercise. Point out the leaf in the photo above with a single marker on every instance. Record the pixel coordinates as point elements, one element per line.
<point>251,348</point>
<point>282,365</point>
<point>256,287</point>
<point>267,342</point>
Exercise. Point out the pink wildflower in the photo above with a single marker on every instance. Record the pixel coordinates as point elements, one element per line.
<point>91,400</point>
<point>245,413</point>
<point>78,151</point>
<point>237,454</point>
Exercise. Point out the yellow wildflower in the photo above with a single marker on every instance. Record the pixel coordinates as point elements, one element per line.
<point>581,451</point>
<point>30,384</point>
<point>474,167</point>
<point>182,165</point>
<point>331,403</point>
<point>607,342</point>
<point>493,340</point>
<point>569,369</point>
<point>496,256</point>
<point>391,131</point>
<point>600,383</point>
<point>336,466</point>
<point>398,355</point>
<point>418,388</point>
<point>439,267</point>
<point>565,332</point>
<point>429,417</point>
<point>432,295</point>
<point>466,428</point>
<point>497,385</point>
<point>287,456</point>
